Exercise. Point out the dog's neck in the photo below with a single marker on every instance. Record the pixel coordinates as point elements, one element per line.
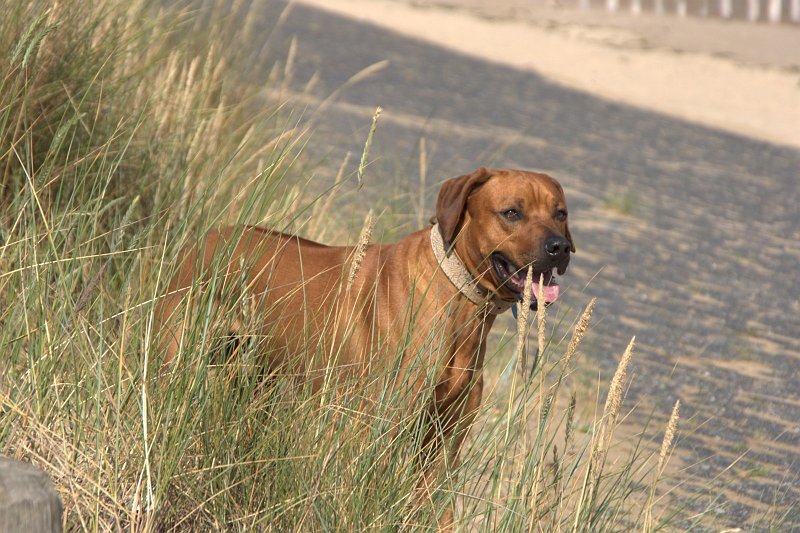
<point>464,281</point>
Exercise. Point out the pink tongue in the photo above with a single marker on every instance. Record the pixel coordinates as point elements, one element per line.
<point>550,292</point>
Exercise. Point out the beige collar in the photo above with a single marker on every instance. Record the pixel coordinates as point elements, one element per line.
<point>459,276</point>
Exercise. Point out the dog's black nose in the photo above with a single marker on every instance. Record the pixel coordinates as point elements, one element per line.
<point>556,247</point>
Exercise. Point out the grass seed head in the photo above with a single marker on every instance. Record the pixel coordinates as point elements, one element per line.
<point>522,318</point>
<point>580,330</point>
<point>361,248</point>
<point>669,435</point>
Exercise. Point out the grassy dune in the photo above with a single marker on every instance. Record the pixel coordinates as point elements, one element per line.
<point>122,137</point>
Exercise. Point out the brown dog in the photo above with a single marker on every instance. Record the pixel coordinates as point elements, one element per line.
<point>429,299</point>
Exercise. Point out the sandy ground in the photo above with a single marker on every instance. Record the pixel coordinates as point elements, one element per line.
<point>739,77</point>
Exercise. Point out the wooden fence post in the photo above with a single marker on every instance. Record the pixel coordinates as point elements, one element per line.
<point>28,501</point>
<point>753,10</point>
<point>774,10</point>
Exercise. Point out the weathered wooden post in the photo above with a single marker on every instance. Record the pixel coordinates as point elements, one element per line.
<point>28,501</point>
<point>774,11</point>
<point>753,10</point>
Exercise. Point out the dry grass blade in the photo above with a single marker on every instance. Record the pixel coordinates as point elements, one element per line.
<point>358,77</point>
<point>365,154</point>
<point>319,217</point>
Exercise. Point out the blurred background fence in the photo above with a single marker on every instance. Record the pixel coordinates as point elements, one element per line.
<point>774,11</point>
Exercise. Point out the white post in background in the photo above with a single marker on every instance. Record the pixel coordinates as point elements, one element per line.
<point>659,7</point>
<point>794,10</point>
<point>612,5</point>
<point>583,4</point>
<point>681,9</point>
<point>752,10</point>
<point>704,9</point>
<point>726,8</point>
<point>774,8</point>
<point>636,7</point>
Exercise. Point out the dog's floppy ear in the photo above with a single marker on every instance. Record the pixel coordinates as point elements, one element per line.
<point>452,202</point>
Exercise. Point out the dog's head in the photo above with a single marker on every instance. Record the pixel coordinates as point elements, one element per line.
<point>500,222</point>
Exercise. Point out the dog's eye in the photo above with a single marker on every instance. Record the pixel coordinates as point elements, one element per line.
<point>561,215</point>
<point>511,214</point>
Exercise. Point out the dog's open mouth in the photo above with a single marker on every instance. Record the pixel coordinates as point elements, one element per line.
<point>513,279</point>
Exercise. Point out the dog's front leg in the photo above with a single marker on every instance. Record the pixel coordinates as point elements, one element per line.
<point>449,422</point>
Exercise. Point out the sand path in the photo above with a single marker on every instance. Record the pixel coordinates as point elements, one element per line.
<point>622,63</point>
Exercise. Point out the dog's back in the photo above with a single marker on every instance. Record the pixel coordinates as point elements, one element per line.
<point>283,275</point>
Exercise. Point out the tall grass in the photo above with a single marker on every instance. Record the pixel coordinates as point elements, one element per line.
<point>121,139</point>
